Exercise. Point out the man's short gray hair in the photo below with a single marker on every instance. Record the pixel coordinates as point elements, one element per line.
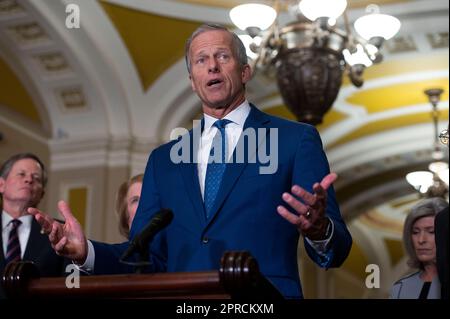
<point>425,208</point>
<point>238,46</point>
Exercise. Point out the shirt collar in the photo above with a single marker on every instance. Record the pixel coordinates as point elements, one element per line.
<point>25,219</point>
<point>237,116</point>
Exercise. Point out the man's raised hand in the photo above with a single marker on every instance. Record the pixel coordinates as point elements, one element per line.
<point>67,239</point>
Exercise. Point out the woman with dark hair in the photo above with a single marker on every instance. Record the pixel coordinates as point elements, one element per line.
<point>127,201</point>
<point>418,238</point>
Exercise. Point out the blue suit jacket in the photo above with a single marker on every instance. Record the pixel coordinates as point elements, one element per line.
<point>244,216</point>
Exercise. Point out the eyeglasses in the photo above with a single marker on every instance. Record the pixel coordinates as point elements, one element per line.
<point>443,137</point>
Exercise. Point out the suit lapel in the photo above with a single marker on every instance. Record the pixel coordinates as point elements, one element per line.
<point>34,245</point>
<point>256,119</point>
<point>189,173</point>
<point>2,255</point>
<point>35,242</point>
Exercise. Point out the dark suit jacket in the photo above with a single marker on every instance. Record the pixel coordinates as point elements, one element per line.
<point>244,216</point>
<point>441,236</point>
<point>40,252</point>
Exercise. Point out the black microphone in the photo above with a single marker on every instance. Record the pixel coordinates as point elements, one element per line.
<point>140,243</point>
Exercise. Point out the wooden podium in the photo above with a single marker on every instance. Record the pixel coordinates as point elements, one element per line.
<point>237,278</point>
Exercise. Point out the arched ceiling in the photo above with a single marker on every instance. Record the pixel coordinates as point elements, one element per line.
<point>137,29</point>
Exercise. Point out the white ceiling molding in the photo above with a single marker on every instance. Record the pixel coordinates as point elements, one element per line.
<point>384,144</point>
<point>22,125</point>
<point>84,153</point>
<point>90,79</point>
<point>106,113</point>
<point>371,197</point>
<point>163,98</point>
<point>30,35</point>
<point>179,10</point>
<point>12,59</point>
<point>180,114</point>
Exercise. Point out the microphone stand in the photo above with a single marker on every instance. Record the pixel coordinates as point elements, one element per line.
<point>141,242</point>
<point>143,260</point>
<point>139,266</point>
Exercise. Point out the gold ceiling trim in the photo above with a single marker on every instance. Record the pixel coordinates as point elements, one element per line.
<point>376,219</point>
<point>386,125</point>
<point>356,262</point>
<point>395,250</point>
<point>396,96</point>
<point>393,67</point>
<point>154,42</point>
<point>330,118</point>
<point>14,95</point>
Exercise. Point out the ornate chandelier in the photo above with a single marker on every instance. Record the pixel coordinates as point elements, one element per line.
<point>310,55</point>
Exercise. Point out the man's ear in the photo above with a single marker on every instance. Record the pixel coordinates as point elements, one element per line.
<point>192,83</point>
<point>2,185</point>
<point>246,73</point>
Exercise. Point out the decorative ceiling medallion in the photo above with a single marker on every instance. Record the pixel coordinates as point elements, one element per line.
<point>28,33</point>
<point>438,40</point>
<point>53,62</point>
<point>401,44</point>
<point>72,99</point>
<point>387,163</point>
<point>8,7</point>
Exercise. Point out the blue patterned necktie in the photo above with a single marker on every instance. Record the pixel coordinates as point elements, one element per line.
<point>13,247</point>
<point>216,167</point>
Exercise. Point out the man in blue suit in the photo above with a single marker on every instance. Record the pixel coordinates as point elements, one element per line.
<point>240,205</point>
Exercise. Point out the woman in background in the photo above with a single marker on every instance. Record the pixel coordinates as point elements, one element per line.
<point>127,201</point>
<point>418,238</point>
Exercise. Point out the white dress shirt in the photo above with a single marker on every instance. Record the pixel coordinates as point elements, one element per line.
<point>233,132</point>
<point>23,231</point>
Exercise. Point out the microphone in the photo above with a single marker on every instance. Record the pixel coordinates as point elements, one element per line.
<point>140,243</point>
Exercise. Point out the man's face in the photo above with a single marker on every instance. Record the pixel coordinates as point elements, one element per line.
<point>216,75</point>
<point>23,183</point>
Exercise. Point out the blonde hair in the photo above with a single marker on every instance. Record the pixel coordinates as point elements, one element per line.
<point>425,208</point>
<point>121,203</point>
<point>238,46</point>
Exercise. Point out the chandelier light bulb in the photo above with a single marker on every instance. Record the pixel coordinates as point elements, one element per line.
<point>420,180</point>
<point>377,25</point>
<point>313,9</point>
<point>437,167</point>
<point>443,175</point>
<point>253,15</point>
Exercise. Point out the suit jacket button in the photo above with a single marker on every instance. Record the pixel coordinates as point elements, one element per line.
<point>205,240</point>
